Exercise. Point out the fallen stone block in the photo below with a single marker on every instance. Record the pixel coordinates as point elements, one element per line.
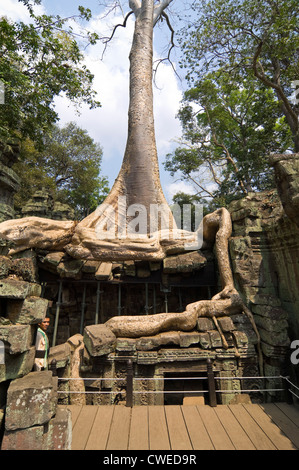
<point>23,439</point>
<point>30,311</point>
<point>26,268</point>
<point>103,272</point>
<point>59,431</point>
<point>13,289</point>
<point>70,268</point>
<point>52,260</point>
<point>61,354</point>
<point>99,340</point>
<point>17,365</point>
<point>31,400</point>
<point>19,337</point>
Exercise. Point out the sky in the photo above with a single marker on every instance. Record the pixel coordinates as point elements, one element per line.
<point>108,124</point>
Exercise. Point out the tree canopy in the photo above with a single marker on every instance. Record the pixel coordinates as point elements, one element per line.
<point>228,131</point>
<point>38,61</point>
<point>68,168</point>
<point>252,36</point>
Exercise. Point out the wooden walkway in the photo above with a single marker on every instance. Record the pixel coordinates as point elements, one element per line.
<point>193,427</point>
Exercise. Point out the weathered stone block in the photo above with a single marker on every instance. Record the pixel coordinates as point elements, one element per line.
<point>286,168</point>
<point>216,341</point>
<point>5,246</point>
<point>99,340</point>
<point>104,271</point>
<point>241,339</point>
<point>204,340</point>
<point>31,400</point>
<point>129,268</point>
<point>5,265</point>
<point>270,324</point>
<point>61,354</point>
<point>59,431</point>
<point>19,337</point>
<point>275,338</point>
<point>35,290</point>
<point>126,344</point>
<point>24,439</point>
<point>169,338</point>
<point>12,289</point>
<point>205,324</point>
<point>226,324</point>
<point>90,267</point>
<point>186,339</point>
<point>70,268</point>
<point>147,343</point>
<point>25,268</point>
<point>52,260</point>
<point>30,311</point>
<point>17,365</point>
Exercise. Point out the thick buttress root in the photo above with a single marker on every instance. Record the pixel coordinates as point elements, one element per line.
<point>215,226</point>
<point>32,232</point>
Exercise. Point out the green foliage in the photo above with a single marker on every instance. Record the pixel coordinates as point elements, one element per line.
<point>241,57</point>
<point>39,61</point>
<point>68,168</point>
<point>259,37</point>
<point>230,126</point>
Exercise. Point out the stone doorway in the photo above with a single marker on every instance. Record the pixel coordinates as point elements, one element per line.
<point>185,388</point>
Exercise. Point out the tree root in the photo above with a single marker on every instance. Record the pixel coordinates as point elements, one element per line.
<point>33,232</point>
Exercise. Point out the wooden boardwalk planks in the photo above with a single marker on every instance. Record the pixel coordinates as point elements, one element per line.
<point>186,427</point>
<point>257,436</point>
<point>178,434</point>
<point>119,432</point>
<point>236,433</point>
<point>280,441</point>
<point>217,432</point>
<point>101,428</point>
<point>286,418</point>
<point>158,432</point>
<point>82,427</point>
<point>198,434</point>
<point>139,431</point>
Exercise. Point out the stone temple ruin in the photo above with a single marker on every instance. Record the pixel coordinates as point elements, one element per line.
<point>93,305</point>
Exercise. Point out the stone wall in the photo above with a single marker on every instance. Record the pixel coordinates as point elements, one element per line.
<point>32,419</point>
<point>9,182</point>
<point>25,421</point>
<point>264,251</point>
<point>42,205</point>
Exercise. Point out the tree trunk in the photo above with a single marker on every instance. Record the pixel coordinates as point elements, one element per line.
<point>138,181</point>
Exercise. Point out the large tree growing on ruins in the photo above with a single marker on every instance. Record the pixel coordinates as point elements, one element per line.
<point>138,181</point>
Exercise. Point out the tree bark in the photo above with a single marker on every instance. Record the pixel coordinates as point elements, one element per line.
<point>138,181</point>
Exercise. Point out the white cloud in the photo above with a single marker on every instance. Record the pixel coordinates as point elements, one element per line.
<point>108,124</point>
<point>17,11</point>
<point>179,186</point>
